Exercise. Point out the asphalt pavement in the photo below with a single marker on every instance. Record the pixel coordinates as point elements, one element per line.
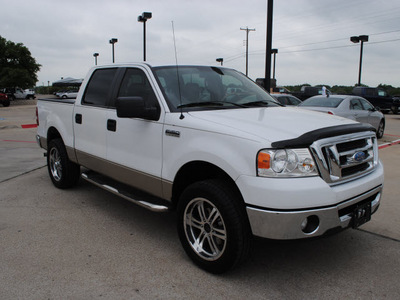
<point>85,243</point>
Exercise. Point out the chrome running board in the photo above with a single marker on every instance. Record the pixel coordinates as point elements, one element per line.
<point>133,195</point>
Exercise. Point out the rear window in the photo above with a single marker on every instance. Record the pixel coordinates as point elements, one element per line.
<point>322,101</point>
<point>99,87</point>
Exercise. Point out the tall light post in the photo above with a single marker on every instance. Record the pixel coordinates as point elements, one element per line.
<point>112,42</point>
<point>247,46</point>
<point>143,18</point>
<point>220,60</point>
<point>95,58</point>
<point>267,79</point>
<point>274,52</point>
<point>357,39</point>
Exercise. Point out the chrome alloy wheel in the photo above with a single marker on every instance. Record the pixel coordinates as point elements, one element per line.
<point>55,164</point>
<point>380,130</point>
<point>205,229</point>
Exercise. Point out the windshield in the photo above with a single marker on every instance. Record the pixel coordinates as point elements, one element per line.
<point>322,101</point>
<point>205,88</point>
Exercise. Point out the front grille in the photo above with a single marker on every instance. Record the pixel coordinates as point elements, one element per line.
<point>343,158</point>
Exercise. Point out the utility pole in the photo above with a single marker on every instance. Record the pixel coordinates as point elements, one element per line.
<point>247,46</point>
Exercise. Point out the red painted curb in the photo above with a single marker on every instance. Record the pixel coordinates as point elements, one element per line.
<point>29,126</point>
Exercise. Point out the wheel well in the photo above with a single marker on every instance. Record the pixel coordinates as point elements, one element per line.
<point>197,171</point>
<point>52,134</point>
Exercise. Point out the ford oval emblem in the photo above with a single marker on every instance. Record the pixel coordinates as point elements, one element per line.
<point>359,156</point>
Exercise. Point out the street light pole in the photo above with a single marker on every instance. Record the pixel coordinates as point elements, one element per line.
<point>112,42</point>
<point>143,18</point>
<point>267,79</point>
<point>95,58</point>
<point>247,46</point>
<point>362,39</point>
<point>274,51</point>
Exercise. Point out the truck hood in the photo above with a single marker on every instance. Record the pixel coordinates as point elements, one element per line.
<point>270,124</point>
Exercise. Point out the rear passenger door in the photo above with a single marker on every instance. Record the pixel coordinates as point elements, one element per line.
<point>90,120</point>
<point>134,145</point>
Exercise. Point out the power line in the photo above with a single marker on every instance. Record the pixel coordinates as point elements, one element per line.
<point>234,57</point>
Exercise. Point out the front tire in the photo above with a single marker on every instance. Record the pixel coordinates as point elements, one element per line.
<point>63,173</point>
<point>213,226</point>
<point>381,129</point>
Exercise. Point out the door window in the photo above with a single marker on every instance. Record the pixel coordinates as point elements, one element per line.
<point>99,87</point>
<point>136,84</point>
<point>355,104</point>
<point>366,105</point>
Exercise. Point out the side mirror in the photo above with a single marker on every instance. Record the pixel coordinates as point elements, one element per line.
<point>377,108</point>
<point>135,107</point>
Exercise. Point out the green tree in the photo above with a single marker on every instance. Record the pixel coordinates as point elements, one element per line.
<point>17,66</point>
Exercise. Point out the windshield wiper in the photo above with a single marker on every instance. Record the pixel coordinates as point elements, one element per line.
<point>209,103</point>
<point>259,103</point>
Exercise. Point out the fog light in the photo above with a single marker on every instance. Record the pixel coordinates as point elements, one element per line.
<point>310,224</point>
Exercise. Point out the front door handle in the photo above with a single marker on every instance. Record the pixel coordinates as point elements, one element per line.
<point>78,118</point>
<point>111,125</point>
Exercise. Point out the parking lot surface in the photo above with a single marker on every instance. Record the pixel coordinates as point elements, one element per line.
<point>85,243</point>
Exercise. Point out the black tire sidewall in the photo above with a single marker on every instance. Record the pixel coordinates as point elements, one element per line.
<point>378,135</point>
<point>230,209</point>
<point>70,171</point>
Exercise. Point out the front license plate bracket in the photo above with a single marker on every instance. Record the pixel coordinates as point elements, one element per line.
<point>361,214</point>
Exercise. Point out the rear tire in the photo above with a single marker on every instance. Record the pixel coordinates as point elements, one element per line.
<point>6,103</point>
<point>63,173</point>
<point>213,226</point>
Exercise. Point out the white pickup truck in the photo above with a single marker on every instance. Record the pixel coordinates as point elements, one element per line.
<point>213,145</point>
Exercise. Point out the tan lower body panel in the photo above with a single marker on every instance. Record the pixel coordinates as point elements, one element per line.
<point>142,181</point>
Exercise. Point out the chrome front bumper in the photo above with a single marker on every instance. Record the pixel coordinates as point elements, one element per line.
<point>286,225</point>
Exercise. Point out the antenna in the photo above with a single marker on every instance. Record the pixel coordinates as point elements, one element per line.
<point>177,73</point>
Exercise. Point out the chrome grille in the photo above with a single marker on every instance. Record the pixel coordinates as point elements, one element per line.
<point>343,158</point>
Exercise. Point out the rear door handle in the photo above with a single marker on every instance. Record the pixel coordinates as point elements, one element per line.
<point>111,125</point>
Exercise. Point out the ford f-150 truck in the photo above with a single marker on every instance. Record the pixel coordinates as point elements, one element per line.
<point>214,146</point>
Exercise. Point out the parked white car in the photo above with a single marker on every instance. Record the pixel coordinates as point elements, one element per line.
<point>68,95</point>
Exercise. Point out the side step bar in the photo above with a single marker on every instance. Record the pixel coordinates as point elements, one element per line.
<point>138,197</point>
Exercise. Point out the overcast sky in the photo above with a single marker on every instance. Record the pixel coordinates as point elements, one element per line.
<point>312,36</point>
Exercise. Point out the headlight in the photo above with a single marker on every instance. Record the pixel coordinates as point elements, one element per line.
<point>285,163</point>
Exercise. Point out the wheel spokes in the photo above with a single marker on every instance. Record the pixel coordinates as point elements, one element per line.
<point>205,229</point>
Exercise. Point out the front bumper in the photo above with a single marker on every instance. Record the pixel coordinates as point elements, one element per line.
<point>283,225</point>
<point>277,208</point>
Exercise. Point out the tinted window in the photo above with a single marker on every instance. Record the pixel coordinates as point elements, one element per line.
<point>99,87</point>
<point>136,84</point>
<point>322,101</point>
<point>294,101</point>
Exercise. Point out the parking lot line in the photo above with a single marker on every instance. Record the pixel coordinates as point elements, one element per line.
<point>389,144</point>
